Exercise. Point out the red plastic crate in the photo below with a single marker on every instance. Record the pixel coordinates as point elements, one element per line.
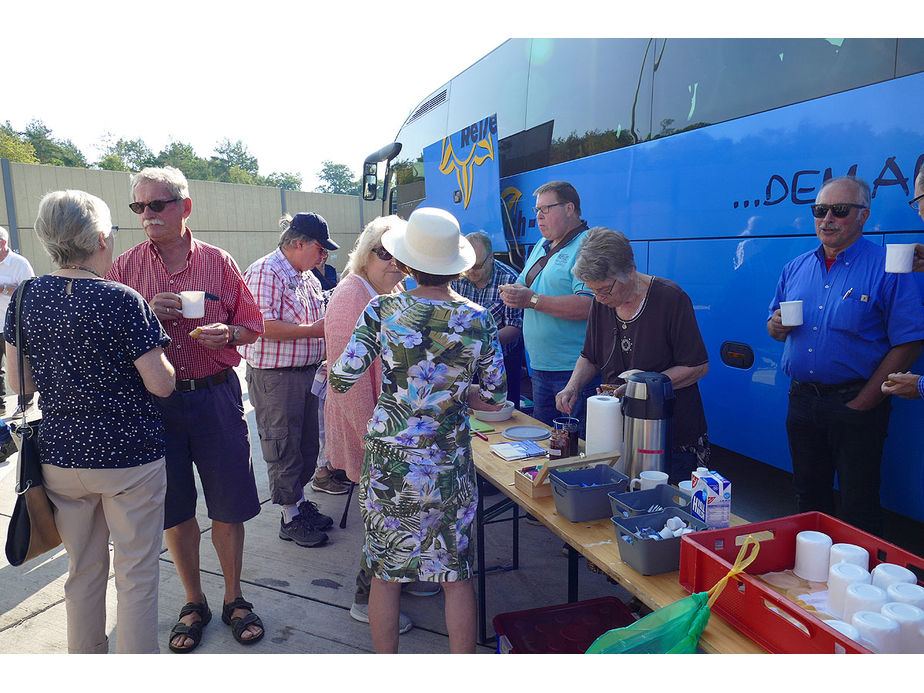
<point>563,629</point>
<point>769,618</point>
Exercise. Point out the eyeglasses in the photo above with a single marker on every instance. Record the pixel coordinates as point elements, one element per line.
<point>324,251</point>
<point>545,208</point>
<point>601,292</point>
<point>839,210</point>
<point>481,264</point>
<point>915,203</point>
<point>156,205</point>
<point>382,254</point>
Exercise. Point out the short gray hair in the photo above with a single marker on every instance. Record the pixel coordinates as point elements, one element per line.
<point>287,237</point>
<point>369,240</point>
<point>4,234</point>
<point>172,177</point>
<point>482,238</point>
<point>68,224</point>
<point>604,254</point>
<point>919,179</point>
<point>862,187</point>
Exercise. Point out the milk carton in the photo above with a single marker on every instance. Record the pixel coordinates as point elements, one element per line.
<point>711,498</point>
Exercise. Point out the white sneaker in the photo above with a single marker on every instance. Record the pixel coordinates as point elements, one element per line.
<point>360,612</point>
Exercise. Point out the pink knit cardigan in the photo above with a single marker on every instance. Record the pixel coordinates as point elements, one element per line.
<point>346,414</point>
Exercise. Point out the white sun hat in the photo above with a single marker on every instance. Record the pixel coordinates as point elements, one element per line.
<point>431,242</point>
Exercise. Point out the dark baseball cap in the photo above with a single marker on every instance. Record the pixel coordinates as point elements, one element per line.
<point>313,226</point>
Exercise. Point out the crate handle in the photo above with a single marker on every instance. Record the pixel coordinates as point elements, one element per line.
<point>789,618</point>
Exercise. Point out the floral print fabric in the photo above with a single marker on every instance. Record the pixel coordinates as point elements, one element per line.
<point>417,487</point>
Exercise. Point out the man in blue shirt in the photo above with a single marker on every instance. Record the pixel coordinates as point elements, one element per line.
<point>860,324</point>
<point>557,303</point>
<point>480,284</point>
<point>911,385</point>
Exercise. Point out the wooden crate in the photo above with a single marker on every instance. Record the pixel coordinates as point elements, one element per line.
<point>539,487</point>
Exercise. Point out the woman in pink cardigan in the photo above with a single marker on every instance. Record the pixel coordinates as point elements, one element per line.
<point>370,272</point>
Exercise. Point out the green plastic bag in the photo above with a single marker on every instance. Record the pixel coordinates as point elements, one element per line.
<point>675,628</point>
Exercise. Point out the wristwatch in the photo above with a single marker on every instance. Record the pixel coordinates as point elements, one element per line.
<point>235,331</point>
<point>534,301</point>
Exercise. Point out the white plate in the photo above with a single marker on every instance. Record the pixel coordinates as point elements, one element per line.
<point>499,415</point>
<point>526,433</point>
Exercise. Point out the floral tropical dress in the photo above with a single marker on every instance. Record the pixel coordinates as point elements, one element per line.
<point>417,488</point>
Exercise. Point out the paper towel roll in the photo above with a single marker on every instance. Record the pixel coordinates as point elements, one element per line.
<point>604,424</point>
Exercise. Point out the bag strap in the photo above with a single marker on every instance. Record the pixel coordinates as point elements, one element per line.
<point>24,429</point>
<point>544,260</point>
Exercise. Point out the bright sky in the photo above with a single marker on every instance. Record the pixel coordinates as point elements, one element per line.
<point>297,84</point>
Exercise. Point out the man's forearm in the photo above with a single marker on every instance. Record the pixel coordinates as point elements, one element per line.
<point>898,359</point>
<point>287,331</point>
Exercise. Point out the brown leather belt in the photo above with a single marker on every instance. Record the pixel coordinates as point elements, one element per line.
<point>199,383</point>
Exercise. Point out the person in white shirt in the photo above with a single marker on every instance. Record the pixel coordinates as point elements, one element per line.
<point>14,268</point>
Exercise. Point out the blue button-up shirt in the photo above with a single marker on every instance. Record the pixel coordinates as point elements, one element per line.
<point>853,313</point>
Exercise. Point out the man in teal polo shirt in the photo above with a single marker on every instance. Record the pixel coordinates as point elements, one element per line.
<point>556,303</point>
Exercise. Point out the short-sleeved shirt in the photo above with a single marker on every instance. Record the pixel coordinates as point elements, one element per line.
<point>664,333</point>
<point>287,295</point>
<point>853,313</point>
<point>553,344</point>
<point>14,268</point>
<point>489,297</point>
<point>82,337</point>
<point>227,300</point>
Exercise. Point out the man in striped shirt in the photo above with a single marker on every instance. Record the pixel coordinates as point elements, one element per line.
<point>281,367</point>
<point>203,418</point>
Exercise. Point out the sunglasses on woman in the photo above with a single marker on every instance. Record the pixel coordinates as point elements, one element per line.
<point>839,210</point>
<point>383,254</point>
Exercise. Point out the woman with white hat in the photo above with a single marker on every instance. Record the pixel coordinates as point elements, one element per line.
<point>418,491</point>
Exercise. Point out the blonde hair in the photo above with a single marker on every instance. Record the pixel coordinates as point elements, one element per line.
<point>369,240</point>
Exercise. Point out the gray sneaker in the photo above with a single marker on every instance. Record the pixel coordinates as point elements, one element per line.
<point>299,531</point>
<point>360,612</point>
<point>329,484</point>
<point>419,588</point>
<point>315,519</point>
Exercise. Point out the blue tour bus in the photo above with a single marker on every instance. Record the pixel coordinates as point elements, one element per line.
<point>706,153</point>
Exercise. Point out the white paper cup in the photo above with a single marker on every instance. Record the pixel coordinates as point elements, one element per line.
<point>791,313</point>
<point>899,257</point>
<point>813,550</point>
<point>686,487</point>
<point>648,480</point>
<point>886,574</point>
<point>193,304</point>
<point>907,593</point>
<point>840,577</point>
<point>910,620</point>
<point>862,597</point>
<point>850,553</point>
<point>883,633</point>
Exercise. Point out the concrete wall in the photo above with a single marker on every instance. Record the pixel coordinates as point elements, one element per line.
<point>242,219</point>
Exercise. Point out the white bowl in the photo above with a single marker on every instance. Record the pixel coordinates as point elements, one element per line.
<point>500,415</point>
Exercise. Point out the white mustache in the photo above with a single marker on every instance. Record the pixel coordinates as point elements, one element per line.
<point>152,222</point>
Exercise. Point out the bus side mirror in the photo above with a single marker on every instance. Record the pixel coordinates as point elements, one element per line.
<point>370,180</point>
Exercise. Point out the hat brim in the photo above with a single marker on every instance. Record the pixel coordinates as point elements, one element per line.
<point>395,242</point>
<point>328,243</point>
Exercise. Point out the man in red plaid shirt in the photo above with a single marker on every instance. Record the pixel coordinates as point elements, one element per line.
<point>203,418</point>
<point>281,368</point>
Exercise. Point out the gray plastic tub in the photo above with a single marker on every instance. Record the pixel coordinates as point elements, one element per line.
<point>581,494</point>
<point>649,556</point>
<point>632,503</point>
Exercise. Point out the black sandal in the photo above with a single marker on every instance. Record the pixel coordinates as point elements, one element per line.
<point>239,625</point>
<point>192,631</point>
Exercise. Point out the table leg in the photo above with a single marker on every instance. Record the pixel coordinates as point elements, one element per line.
<point>572,574</point>
<point>482,607</point>
<point>516,536</point>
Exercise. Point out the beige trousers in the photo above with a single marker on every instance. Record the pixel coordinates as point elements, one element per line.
<point>90,506</point>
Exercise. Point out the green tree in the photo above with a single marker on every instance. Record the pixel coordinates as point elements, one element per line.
<point>338,179</point>
<point>235,155</point>
<point>286,181</point>
<point>182,156</point>
<point>49,150</point>
<point>14,147</point>
<point>125,155</point>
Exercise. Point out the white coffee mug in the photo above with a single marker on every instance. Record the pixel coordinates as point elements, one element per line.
<point>648,480</point>
<point>907,593</point>
<point>840,577</point>
<point>880,631</point>
<point>686,487</point>
<point>862,597</point>
<point>193,304</point>
<point>886,574</point>
<point>910,620</point>
<point>791,313</point>
<point>850,553</point>
<point>899,257</point>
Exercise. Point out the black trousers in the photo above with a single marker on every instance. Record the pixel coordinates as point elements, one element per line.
<point>827,438</point>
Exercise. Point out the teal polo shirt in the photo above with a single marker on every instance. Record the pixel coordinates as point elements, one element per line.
<point>554,344</point>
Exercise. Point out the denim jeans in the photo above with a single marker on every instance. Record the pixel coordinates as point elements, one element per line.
<point>827,437</point>
<point>547,384</point>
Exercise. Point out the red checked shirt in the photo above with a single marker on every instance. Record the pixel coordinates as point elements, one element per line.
<point>285,294</point>
<point>227,300</point>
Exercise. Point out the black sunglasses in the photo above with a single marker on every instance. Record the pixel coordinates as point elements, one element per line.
<point>839,210</point>
<point>156,205</point>
<point>383,254</point>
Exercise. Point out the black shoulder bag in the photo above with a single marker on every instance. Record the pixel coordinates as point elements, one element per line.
<point>32,529</point>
